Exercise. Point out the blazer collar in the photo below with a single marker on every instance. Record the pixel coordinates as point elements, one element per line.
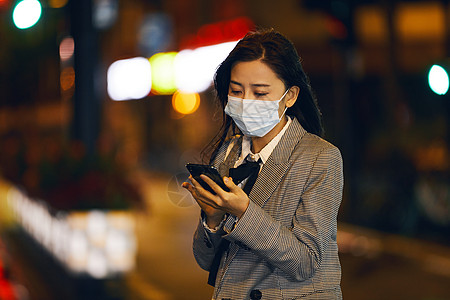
<point>291,137</point>
<point>281,152</point>
<point>277,165</point>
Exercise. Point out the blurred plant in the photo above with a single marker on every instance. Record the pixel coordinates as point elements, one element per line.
<point>69,178</point>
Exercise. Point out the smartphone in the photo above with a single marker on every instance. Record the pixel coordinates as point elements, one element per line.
<point>197,169</point>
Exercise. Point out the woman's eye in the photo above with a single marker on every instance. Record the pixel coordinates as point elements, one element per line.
<point>235,92</point>
<point>259,95</point>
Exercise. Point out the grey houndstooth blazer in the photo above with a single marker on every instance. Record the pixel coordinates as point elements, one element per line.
<point>284,246</point>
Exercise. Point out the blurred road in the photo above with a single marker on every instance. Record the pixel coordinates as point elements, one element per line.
<point>375,265</point>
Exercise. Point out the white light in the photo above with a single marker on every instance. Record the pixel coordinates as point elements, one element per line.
<point>95,242</point>
<point>116,243</point>
<point>97,265</point>
<point>97,227</point>
<point>438,80</point>
<point>129,79</point>
<point>194,69</point>
<point>78,249</point>
<point>27,13</point>
<point>60,238</point>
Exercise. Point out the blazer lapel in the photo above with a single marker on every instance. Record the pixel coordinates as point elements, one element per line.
<point>277,165</point>
<point>219,160</point>
<point>228,162</point>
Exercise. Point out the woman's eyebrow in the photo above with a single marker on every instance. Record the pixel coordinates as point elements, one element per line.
<point>253,84</point>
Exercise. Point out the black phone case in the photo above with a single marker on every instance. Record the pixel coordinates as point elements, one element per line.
<point>197,169</point>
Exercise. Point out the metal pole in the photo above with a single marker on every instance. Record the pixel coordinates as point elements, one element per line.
<point>86,104</point>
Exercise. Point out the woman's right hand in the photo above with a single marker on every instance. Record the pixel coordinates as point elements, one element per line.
<point>213,215</point>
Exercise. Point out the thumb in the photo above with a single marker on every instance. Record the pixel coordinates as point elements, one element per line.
<point>229,183</point>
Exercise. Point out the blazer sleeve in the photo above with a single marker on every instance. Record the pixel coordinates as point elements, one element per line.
<point>205,245</point>
<point>298,250</point>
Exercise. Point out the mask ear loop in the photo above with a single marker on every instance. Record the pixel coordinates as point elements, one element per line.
<point>281,99</point>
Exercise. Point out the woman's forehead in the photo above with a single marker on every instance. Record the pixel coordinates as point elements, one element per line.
<point>253,72</point>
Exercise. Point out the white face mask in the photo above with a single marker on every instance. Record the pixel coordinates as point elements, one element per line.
<point>255,118</point>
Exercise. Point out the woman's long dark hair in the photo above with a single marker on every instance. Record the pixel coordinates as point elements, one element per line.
<point>275,50</point>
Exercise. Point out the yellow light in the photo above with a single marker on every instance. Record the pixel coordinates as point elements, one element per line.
<point>163,73</point>
<point>185,103</point>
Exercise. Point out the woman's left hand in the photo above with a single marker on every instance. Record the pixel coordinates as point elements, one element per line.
<point>234,202</point>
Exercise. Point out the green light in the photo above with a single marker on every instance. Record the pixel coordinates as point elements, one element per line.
<point>163,73</point>
<point>438,80</point>
<point>27,13</point>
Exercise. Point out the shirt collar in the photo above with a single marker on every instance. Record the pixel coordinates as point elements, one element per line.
<point>265,152</point>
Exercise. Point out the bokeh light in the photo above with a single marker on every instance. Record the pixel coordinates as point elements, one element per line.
<point>163,79</point>
<point>57,3</point>
<point>66,48</point>
<point>194,69</point>
<point>219,32</point>
<point>27,13</point>
<point>185,103</point>
<point>67,78</point>
<point>438,80</point>
<point>4,3</point>
<point>129,79</point>
<point>105,13</point>
<point>82,241</point>
<point>156,33</point>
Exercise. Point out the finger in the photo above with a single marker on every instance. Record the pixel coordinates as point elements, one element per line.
<point>230,184</point>
<point>195,183</point>
<point>200,190</point>
<point>190,188</point>
<point>215,187</point>
<point>204,204</point>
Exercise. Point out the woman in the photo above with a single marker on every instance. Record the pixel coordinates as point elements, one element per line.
<point>277,239</point>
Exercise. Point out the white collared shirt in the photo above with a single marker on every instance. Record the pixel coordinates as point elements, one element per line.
<point>265,152</point>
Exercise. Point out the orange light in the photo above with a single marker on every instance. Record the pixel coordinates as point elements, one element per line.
<point>67,78</point>
<point>185,103</point>
<point>57,3</point>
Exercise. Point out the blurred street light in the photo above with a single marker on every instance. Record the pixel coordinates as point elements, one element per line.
<point>27,13</point>
<point>438,80</point>
<point>194,69</point>
<point>129,79</point>
<point>163,79</point>
<point>185,103</point>
<point>66,48</point>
